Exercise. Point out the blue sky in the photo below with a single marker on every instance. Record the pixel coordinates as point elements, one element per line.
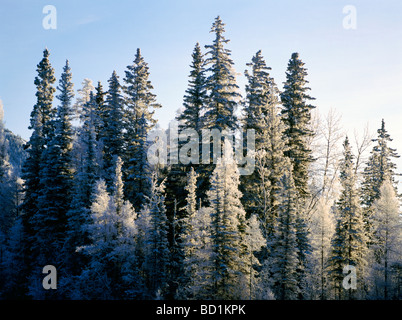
<point>356,71</point>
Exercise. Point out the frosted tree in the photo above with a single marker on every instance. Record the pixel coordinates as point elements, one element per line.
<point>155,250</point>
<point>189,243</point>
<point>261,113</point>
<point>232,254</point>
<point>110,272</point>
<point>7,181</point>
<point>222,100</point>
<point>86,151</point>
<point>296,113</point>
<point>380,168</point>
<point>322,229</point>
<point>387,244</point>
<point>4,158</point>
<point>349,244</point>
<point>83,96</point>
<point>284,263</point>
<point>223,94</point>
<point>139,97</point>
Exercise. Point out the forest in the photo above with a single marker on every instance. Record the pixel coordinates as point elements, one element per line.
<point>317,218</point>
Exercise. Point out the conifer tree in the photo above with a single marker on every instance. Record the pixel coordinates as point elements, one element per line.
<point>222,97</point>
<point>296,113</point>
<point>196,94</point>
<point>221,84</point>
<point>112,122</point>
<point>189,119</point>
<point>349,244</point>
<point>140,107</point>
<point>138,172</point>
<point>155,242</point>
<point>41,125</point>
<point>261,113</point>
<point>139,97</point>
<point>231,253</point>
<point>380,168</point>
<point>284,264</point>
<point>187,236</point>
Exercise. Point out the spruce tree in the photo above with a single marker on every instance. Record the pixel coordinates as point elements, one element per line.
<point>41,125</point>
<point>140,107</point>
<point>231,252</point>
<point>112,122</point>
<point>296,113</point>
<point>261,113</point>
<point>285,260</point>
<point>349,245</point>
<point>222,98</point>
<point>196,94</point>
<point>380,168</point>
<point>221,84</point>
<point>138,172</point>
<point>155,243</point>
<point>139,97</point>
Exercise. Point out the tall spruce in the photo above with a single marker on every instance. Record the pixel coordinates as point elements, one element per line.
<point>222,98</point>
<point>284,261</point>
<point>140,107</point>
<point>112,123</point>
<point>349,244</point>
<point>261,113</point>
<point>232,254</point>
<point>380,168</point>
<point>41,125</point>
<point>296,113</point>
<point>56,178</point>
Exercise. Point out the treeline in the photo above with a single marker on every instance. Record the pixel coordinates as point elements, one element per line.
<point>312,221</point>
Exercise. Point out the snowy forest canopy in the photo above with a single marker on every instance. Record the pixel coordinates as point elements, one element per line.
<point>316,219</point>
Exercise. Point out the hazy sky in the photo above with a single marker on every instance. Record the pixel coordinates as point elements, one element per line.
<point>356,71</point>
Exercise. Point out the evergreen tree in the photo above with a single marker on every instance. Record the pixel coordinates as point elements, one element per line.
<point>231,253</point>
<point>140,105</point>
<point>155,243</point>
<point>221,84</point>
<point>56,181</point>
<point>296,116</point>
<point>261,113</point>
<point>138,174</point>
<point>189,119</point>
<point>41,125</point>
<point>139,97</point>
<point>87,172</point>
<point>187,236</point>
<point>380,168</point>
<point>196,94</point>
<point>222,98</point>
<point>285,261</point>
<point>349,245</point>
<point>112,118</point>
<point>101,109</point>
